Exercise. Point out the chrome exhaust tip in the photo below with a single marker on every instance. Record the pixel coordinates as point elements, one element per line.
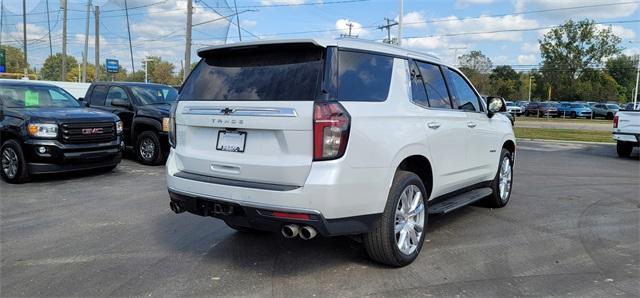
<point>308,232</point>
<point>175,208</point>
<point>290,231</point>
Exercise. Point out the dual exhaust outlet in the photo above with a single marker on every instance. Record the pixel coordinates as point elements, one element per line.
<point>305,232</point>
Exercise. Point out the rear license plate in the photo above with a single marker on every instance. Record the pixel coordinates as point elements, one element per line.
<point>232,141</point>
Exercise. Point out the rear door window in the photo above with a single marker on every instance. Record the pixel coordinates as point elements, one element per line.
<point>418,93</point>
<point>290,72</point>
<point>98,95</point>
<point>466,99</point>
<point>363,76</point>
<point>435,85</point>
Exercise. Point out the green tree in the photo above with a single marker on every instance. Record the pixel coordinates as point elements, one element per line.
<point>623,69</point>
<point>505,82</point>
<point>14,59</point>
<point>53,66</point>
<point>475,61</point>
<point>570,49</point>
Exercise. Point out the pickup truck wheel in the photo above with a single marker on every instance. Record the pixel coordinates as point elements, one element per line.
<point>398,236</point>
<point>148,148</point>
<point>14,166</point>
<point>624,149</point>
<point>501,184</point>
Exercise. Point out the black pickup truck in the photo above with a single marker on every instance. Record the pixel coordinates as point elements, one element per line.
<point>144,110</point>
<point>43,129</point>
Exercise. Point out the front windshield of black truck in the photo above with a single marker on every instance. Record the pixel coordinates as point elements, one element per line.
<point>26,96</point>
<point>149,95</point>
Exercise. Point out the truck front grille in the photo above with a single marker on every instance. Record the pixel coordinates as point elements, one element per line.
<point>92,132</point>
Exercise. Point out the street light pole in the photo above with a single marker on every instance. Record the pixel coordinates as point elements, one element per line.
<point>635,92</point>
<point>146,67</point>
<point>529,86</point>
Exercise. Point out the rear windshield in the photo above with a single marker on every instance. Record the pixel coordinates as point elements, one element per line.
<point>152,94</point>
<point>286,72</point>
<point>33,96</point>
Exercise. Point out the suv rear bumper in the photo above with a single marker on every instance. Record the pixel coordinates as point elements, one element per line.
<point>261,217</point>
<point>333,190</point>
<point>71,157</point>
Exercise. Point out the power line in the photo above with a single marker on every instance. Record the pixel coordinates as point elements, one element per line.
<point>303,4</point>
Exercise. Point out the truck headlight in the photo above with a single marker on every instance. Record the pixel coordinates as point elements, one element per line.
<point>43,130</point>
<point>119,127</point>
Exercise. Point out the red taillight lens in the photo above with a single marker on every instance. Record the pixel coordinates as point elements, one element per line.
<point>172,126</point>
<point>615,121</point>
<point>331,123</point>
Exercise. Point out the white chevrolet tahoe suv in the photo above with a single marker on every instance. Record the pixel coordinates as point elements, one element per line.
<point>339,137</point>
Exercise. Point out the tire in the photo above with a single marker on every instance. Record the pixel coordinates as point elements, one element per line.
<point>526,113</point>
<point>624,149</point>
<point>381,242</point>
<point>573,115</point>
<point>609,116</point>
<point>13,165</point>
<point>148,148</point>
<point>497,199</point>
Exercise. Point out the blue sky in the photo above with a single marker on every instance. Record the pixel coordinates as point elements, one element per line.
<point>438,27</point>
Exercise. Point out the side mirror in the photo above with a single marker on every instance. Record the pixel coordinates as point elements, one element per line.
<point>495,105</point>
<point>119,102</point>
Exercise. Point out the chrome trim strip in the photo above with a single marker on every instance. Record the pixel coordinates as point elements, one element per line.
<point>241,111</point>
<point>247,204</point>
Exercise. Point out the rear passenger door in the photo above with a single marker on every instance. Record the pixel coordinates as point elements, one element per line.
<point>482,153</point>
<point>445,128</point>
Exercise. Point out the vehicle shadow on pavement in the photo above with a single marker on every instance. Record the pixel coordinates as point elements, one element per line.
<point>44,178</point>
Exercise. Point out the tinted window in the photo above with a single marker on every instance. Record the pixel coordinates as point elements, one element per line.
<point>25,96</point>
<point>116,92</point>
<point>152,94</point>
<point>435,85</point>
<point>464,96</point>
<point>289,72</point>
<point>363,76</point>
<point>613,107</point>
<point>418,94</point>
<point>98,95</point>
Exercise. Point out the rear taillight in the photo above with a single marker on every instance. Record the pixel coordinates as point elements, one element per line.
<point>331,123</point>
<point>172,126</point>
<point>615,121</point>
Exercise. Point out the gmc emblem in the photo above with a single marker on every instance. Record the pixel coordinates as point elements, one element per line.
<point>92,131</point>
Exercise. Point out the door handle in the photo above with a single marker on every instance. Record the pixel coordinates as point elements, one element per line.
<point>434,125</point>
<point>471,124</point>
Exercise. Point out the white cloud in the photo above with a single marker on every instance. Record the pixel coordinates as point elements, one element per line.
<point>527,59</point>
<point>79,39</point>
<point>530,48</point>
<point>489,25</point>
<point>356,28</point>
<point>609,11</point>
<point>414,19</point>
<point>280,2</point>
<point>622,32</point>
<point>467,3</point>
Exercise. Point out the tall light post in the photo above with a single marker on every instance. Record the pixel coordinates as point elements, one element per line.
<point>635,92</point>
<point>530,77</point>
<point>146,72</point>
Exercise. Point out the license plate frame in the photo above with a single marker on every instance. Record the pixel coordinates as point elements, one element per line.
<point>232,141</point>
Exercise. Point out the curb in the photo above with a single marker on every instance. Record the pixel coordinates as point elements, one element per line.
<point>563,141</point>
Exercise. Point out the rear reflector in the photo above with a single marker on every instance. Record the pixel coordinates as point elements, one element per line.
<point>299,216</point>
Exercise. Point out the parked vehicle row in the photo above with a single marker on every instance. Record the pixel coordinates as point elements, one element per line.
<point>44,129</point>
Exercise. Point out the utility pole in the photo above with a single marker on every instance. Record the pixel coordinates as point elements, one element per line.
<point>24,36</point>
<point>635,93</point>
<point>97,46</point>
<point>49,26</point>
<point>126,11</point>
<point>1,17</point>
<point>63,68</point>
<point>187,46</point>
<point>237,20</point>
<point>146,69</point>
<point>350,25</point>
<point>400,22</point>
<point>530,86</point>
<point>387,27</point>
<point>86,44</point>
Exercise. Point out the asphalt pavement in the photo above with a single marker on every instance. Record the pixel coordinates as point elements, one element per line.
<point>572,228</point>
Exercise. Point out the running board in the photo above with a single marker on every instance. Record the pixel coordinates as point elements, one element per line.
<point>460,201</point>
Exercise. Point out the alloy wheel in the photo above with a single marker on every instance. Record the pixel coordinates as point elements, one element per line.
<point>147,148</point>
<point>409,219</point>
<point>10,162</point>
<point>506,174</point>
